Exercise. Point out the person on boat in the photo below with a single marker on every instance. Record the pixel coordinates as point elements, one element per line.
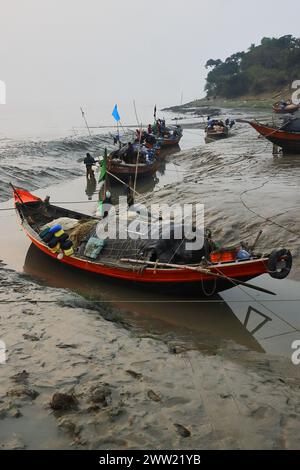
<point>138,135</point>
<point>158,127</point>
<point>150,140</point>
<point>129,155</point>
<point>116,139</point>
<point>150,130</point>
<point>227,122</point>
<point>232,123</point>
<point>89,161</point>
<point>283,104</point>
<point>211,123</point>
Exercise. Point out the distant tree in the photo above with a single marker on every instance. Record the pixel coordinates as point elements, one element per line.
<point>213,63</point>
<point>268,66</point>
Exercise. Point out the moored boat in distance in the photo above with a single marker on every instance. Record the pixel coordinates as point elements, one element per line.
<point>147,262</point>
<point>171,136</point>
<point>216,129</point>
<point>166,136</point>
<point>285,107</point>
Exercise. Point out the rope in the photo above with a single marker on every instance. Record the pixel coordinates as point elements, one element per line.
<point>267,219</point>
<point>210,301</point>
<point>258,301</point>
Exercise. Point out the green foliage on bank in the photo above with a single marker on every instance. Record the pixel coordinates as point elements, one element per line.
<point>271,65</point>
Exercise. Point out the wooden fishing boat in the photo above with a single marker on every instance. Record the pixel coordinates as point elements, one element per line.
<point>170,137</point>
<point>288,140</point>
<point>120,168</point>
<point>217,132</point>
<point>148,162</point>
<point>288,108</point>
<point>130,263</point>
<point>169,140</point>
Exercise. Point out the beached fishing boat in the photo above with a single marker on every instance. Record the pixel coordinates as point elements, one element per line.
<point>217,131</point>
<point>143,161</point>
<point>155,262</point>
<point>170,137</point>
<point>287,136</point>
<point>285,107</point>
<point>165,136</point>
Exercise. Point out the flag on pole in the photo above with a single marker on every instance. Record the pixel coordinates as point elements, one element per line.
<point>115,113</point>
<point>102,174</point>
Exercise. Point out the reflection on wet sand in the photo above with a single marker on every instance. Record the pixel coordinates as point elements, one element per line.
<point>204,321</point>
<point>91,185</point>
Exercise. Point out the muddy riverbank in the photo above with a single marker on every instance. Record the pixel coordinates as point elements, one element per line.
<point>131,390</point>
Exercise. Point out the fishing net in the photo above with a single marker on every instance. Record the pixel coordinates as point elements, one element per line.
<point>82,231</point>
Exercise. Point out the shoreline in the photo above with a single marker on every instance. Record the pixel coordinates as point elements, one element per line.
<point>208,105</point>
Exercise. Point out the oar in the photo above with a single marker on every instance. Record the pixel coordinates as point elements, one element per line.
<point>203,270</point>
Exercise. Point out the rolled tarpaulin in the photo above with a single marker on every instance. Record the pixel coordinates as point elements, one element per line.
<point>66,245</point>
<point>62,238</point>
<point>55,228</point>
<point>59,233</point>
<point>53,242</point>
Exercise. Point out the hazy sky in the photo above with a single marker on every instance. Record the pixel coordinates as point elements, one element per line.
<point>60,54</point>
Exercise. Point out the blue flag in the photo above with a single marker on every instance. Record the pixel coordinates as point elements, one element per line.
<point>115,113</point>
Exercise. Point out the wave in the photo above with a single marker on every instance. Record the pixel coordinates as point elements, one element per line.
<point>38,163</point>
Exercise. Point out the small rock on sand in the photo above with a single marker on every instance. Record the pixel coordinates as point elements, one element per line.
<point>134,374</point>
<point>23,392</point>
<point>100,394</point>
<point>153,396</point>
<point>63,401</point>
<point>31,337</point>
<point>182,431</point>
<point>20,377</point>
<point>14,443</point>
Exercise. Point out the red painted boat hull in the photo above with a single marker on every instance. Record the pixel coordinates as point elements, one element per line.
<point>288,141</point>
<point>238,270</point>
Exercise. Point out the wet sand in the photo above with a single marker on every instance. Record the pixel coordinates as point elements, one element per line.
<point>180,373</point>
<point>159,392</point>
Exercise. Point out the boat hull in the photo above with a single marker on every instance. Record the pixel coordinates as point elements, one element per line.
<point>216,135</point>
<point>169,142</point>
<point>288,141</point>
<point>289,109</point>
<point>205,283</point>
<point>130,170</point>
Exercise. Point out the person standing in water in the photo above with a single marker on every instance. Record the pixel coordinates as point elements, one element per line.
<point>89,162</point>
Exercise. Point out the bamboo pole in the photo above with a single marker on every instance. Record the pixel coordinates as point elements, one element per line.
<point>137,158</point>
<point>87,126</point>
<point>236,282</point>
